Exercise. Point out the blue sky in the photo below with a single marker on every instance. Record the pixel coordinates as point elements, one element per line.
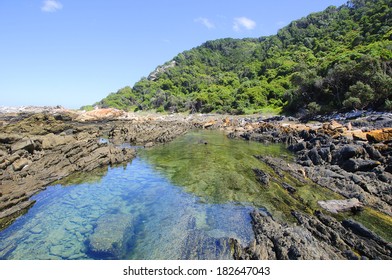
<point>76,52</point>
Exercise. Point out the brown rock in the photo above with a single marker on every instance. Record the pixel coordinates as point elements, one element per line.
<point>334,125</point>
<point>380,135</point>
<point>26,144</point>
<point>359,135</point>
<point>51,141</point>
<point>101,114</point>
<point>209,124</point>
<point>20,164</point>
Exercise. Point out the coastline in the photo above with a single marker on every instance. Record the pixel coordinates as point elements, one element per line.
<point>351,157</point>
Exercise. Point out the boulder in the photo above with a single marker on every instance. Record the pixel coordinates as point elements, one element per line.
<point>348,151</point>
<point>353,165</point>
<point>380,135</point>
<point>26,144</point>
<point>111,236</point>
<point>373,153</point>
<point>315,157</point>
<point>20,164</point>
<point>335,206</point>
<point>359,135</point>
<point>298,147</point>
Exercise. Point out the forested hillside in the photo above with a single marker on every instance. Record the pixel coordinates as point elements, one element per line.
<point>338,59</point>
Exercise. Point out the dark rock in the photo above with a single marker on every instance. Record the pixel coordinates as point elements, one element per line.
<point>373,153</point>
<point>325,154</point>
<point>353,165</point>
<point>315,157</point>
<point>261,176</point>
<point>298,147</point>
<point>307,163</point>
<point>347,152</point>
<point>359,229</point>
<point>388,168</point>
<point>282,242</point>
<point>289,188</point>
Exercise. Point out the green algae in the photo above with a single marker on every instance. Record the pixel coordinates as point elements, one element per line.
<point>222,171</point>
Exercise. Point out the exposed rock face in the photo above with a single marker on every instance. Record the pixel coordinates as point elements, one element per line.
<point>111,236</point>
<point>51,157</point>
<point>148,131</point>
<point>380,135</point>
<point>316,237</point>
<point>101,114</point>
<point>332,157</point>
<point>38,149</point>
<point>282,242</point>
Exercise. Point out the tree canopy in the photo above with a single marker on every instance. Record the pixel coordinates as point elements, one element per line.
<point>337,59</point>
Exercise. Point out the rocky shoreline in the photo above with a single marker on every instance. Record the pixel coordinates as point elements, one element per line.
<point>349,155</point>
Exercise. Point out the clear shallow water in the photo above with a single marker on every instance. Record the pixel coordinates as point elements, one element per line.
<point>168,223</point>
<point>182,200</point>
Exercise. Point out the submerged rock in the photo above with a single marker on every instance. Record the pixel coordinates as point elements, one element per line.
<point>262,177</point>
<point>111,236</point>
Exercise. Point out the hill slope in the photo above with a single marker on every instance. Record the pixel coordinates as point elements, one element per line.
<point>338,59</point>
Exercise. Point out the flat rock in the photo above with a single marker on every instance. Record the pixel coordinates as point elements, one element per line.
<point>26,144</point>
<point>111,236</point>
<point>335,206</point>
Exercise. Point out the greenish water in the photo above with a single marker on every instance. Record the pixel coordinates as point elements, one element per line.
<point>183,200</point>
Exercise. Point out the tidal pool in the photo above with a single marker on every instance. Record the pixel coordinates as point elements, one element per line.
<point>181,200</point>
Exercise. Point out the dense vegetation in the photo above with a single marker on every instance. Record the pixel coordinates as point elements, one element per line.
<point>338,59</point>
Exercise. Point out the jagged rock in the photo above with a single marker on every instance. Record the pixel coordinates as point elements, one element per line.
<point>345,237</point>
<point>289,188</point>
<point>347,152</point>
<point>353,165</point>
<point>315,157</point>
<point>373,153</point>
<point>261,176</point>
<point>335,206</point>
<point>298,147</point>
<point>282,242</point>
<point>111,236</point>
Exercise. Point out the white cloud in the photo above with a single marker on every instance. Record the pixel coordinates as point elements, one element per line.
<point>51,6</point>
<point>243,22</point>
<point>206,22</point>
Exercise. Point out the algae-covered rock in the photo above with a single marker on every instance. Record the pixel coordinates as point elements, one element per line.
<point>111,236</point>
